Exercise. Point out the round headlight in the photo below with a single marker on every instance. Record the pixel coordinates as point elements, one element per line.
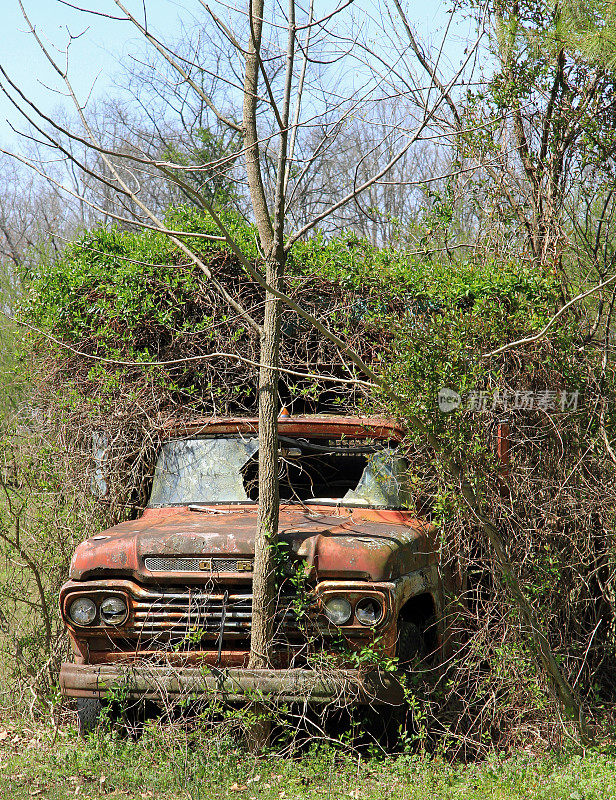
<point>337,610</point>
<point>82,611</point>
<point>113,610</point>
<point>369,611</point>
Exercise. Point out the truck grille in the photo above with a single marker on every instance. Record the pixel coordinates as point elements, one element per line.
<point>192,564</point>
<point>195,612</point>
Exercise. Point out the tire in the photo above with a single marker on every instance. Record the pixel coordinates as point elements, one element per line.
<point>410,646</point>
<point>88,714</point>
<point>410,643</point>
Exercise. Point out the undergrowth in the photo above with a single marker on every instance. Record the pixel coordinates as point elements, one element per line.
<point>424,324</point>
<point>166,762</point>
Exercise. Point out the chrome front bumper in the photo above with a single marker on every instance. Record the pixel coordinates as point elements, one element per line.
<point>346,687</point>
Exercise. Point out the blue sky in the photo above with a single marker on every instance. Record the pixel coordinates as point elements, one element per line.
<point>102,44</point>
<point>95,57</point>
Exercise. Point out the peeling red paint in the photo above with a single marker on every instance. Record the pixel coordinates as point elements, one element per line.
<point>373,545</point>
<point>349,551</point>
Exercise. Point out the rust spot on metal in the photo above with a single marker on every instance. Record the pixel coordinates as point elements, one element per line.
<point>325,427</point>
<point>193,604</point>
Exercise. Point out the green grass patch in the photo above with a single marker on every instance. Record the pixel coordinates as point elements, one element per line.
<point>166,762</point>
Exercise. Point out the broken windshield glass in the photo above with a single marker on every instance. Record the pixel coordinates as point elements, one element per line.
<point>202,471</point>
<point>225,470</point>
<point>384,482</point>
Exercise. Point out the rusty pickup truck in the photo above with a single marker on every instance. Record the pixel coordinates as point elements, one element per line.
<point>161,605</point>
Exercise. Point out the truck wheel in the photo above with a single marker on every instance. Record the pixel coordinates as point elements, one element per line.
<point>410,643</point>
<point>88,714</point>
<point>384,722</point>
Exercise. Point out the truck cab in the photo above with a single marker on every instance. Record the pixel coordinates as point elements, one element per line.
<point>161,605</point>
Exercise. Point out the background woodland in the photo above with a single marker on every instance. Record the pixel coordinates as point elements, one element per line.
<point>482,260</point>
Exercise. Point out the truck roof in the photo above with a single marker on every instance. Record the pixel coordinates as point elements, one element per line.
<point>313,426</point>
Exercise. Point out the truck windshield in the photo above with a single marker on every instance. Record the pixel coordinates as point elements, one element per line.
<point>225,470</point>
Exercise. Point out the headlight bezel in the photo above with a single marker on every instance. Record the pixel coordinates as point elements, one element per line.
<point>97,596</point>
<point>355,596</point>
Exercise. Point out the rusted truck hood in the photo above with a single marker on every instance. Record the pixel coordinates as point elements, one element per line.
<point>368,544</point>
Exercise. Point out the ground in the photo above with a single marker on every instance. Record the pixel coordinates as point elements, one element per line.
<point>38,761</point>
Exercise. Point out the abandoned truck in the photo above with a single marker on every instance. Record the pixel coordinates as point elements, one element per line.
<point>161,605</point>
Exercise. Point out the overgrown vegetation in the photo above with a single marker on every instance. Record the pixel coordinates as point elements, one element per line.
<point>121,332</point>
<point>129,297</point>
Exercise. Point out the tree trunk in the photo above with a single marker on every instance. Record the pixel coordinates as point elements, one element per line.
<point>263,588</point>
<point>264,577</point>
<point>254,177</point>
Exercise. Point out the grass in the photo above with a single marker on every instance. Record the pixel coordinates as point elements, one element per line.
<point>165,763</point>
